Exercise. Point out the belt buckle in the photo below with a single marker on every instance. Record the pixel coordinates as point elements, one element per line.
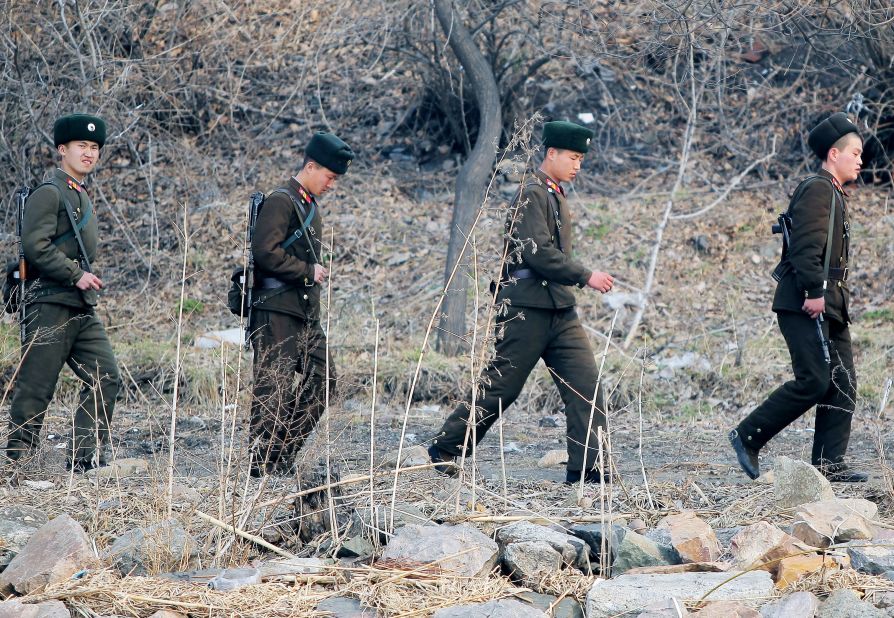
<point>845,275</point>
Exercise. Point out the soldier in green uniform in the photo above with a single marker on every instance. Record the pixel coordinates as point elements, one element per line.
<point>540,321</point>
<point>287,335</point>
<point>61,325</point>
<point>812,286</point>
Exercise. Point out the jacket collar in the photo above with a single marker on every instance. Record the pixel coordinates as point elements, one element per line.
<point>827,174</point>
<point>551,185</point>
<point>72,182</point>
<point>306,196</point>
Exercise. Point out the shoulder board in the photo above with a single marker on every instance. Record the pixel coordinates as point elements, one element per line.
<point>802,187</point>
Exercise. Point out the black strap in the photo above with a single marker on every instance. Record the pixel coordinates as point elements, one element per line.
<point>303,216</point>
<point>77,235</point>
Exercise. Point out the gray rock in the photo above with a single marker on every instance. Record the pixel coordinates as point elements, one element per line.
<point>356,547</point>
<point>528,562</point>
<point>504,608</point>
<point>566,608</point>
<point>344,607</point>
<point>728,609</point>
<point>409,456</point>
<point>725,535</point>
<point>636,550</point>
<point>798,605</point>
<point>573,550</point>
<point>292,566</point>
<point>376,523</point>
<point>161,546</point>
<point>797,482</point>
<point>668,608</point>
<point>194,576</point>
<point>631,593</point>
<point>17,525</point>
<point>231,579</point>
<point>839,520</point>
<point>554,420</point>
<point>48,609</point>
<point>846,604</point>
<point>662,537</point>
<point>121,468</point>
<point>872,559</point>
<point>58,550</point>
<point>462,549</point>
<point>591,534</point>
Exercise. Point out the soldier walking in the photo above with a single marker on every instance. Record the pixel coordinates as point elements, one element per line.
<point>59,237</point>
<point>287,335</point>
<point>540,321</point>
<point>811,305</point>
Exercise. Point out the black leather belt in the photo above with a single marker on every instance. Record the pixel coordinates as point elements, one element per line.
<point>271,283</point>
<point>523,273</point>
<point>838,274</point>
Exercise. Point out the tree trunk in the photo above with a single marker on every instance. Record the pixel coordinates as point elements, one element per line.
<point>471,181</point>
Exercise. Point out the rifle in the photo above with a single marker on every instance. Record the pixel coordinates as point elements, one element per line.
<point>255,201</point>
<point>784,227</point>
<point>21,197</point>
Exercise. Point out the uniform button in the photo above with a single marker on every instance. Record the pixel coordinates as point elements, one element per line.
<point>552,237</point>
<point>544,283</point>
<point>758,429</point>
<point>305,297</point>
<point>749,437</point>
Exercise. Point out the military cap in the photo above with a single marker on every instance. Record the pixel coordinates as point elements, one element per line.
<point>330,152</point>
<point>567,136</point>
<point>79,127</point>
<point>824,135</point>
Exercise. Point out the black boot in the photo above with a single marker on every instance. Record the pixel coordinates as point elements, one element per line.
<point>841,473</point>
<point>592,476</point>
<point>447,465</point>
<point>747,457</point>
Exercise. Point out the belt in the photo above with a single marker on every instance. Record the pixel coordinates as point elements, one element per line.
<point>523,273</point>
<point>838,274</point>
<point>271,283</point>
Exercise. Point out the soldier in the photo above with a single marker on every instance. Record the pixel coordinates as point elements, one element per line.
<point>812,277</point>
<point>287,334</point>
<point>61,325</point>
<point>540,321</point>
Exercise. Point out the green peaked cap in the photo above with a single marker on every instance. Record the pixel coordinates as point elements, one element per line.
<point>567,136</point>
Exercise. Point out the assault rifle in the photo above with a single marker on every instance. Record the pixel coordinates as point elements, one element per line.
<point>255,201</point>
<point>21,274</point>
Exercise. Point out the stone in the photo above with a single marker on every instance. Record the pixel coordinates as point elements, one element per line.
<point>17,525</point>
<point>528,562</point>
<point>166,613</point>
<point>356,547</point>
<point>409,456</point>
<point>160,546</point>
<point>797,482</point>
<point>638,525</point>
<point>553,420</point>
<point>231,579</point>
<point>185,495</point>
<point>120,468</point>
<point>871,559</point>
<point>194,576</point>
<point>688,567</point>
<point>591,534</point>
<point>662,538</point>
<point>728,609</point>
<point>573,550</point>
<point>793,568</point>
<point>636,550</point>
<point>374,524</point>
<point>762,542</point>
<point>59,549</point>
<point>504,608</point>
<point>834,521</point>
<point>666,608</point>
<point>462,548</point>
<point>344,607</point>
<point>725,535</point>
<point>693,539</point>
<point>553,459</point>
<point>631,593</point>
<point>566,608</point>
<point>285,567</point>
<point>846,603</point>
<point>48,609</point>
<point>798,605</point>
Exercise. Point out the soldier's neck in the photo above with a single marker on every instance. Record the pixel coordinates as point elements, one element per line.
<point>545,169</point>
<point>834,175</point>
<point>302,180</point>
<point>65,168</point>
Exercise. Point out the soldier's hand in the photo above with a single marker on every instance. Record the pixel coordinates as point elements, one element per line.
<point>603,282</point>
<point>814,307</point>
<point>89,281</point>
<point>320,273</point>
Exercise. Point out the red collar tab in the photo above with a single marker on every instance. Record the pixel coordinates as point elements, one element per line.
<point>306,197</point>
<point>553,186</point>
<point>837,184</point>
<point>73,184</point>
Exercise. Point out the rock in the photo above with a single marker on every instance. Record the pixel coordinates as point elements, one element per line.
<point>793,568</point>
<point>693,539</point>
<point>662,538</point>
<point>161,546</point>
<point>444,543</point>
<point>553,459</point>
<point>48,609</point>
<point>292,566</point>
<point>871,559</point>
<point>566,608</point>
<point>17,525</point>
<point>638,525</point>
<point>58,550</point>
<point>231,579</point>
<point>728,609</point>
<point>797,482</point>
<point>409,456</point>
<point>218,338</point>
<point>373,524</point>
<point>572,550</point>
<point>767,478</point>
<point>344,607</point>
<point>838,520</point>
<point>121,468</point>
<point>629,593</point>
<point>635,550</point>
<point>667,608</point>
<point>725,535</point>
<point>194,576</point>
<point>762,542</point>
<point>845,603</point>
<point>504,608</point>
<point>528,562</point>
<point>165,613</point>
<point>688,567</point>
<point>798,605</point>
<point>39,485</point>
<point>591,534</point>
<point>356,547</point>
<point>553,420</point>
<point>185,495</point>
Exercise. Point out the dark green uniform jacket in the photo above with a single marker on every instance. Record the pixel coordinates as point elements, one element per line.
<point>807,252</point>
<point>293,266</point>
<point>55,266</point>
<point>540,229</point>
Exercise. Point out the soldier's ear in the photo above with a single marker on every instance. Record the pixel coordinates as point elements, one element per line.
<point>61,149</point>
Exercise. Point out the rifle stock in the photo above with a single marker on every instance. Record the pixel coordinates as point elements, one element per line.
<point>255,201</point>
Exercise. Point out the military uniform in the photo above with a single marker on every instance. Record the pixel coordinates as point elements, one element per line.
<point>831,387</point>
<point>286,332</point>
<point>61,325</point>
<point>540,322</point>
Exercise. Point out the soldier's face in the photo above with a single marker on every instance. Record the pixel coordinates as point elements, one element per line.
<point>79,157</point>
<point>847,160</point>
<point>565,164</point>
<point>319,179</point>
